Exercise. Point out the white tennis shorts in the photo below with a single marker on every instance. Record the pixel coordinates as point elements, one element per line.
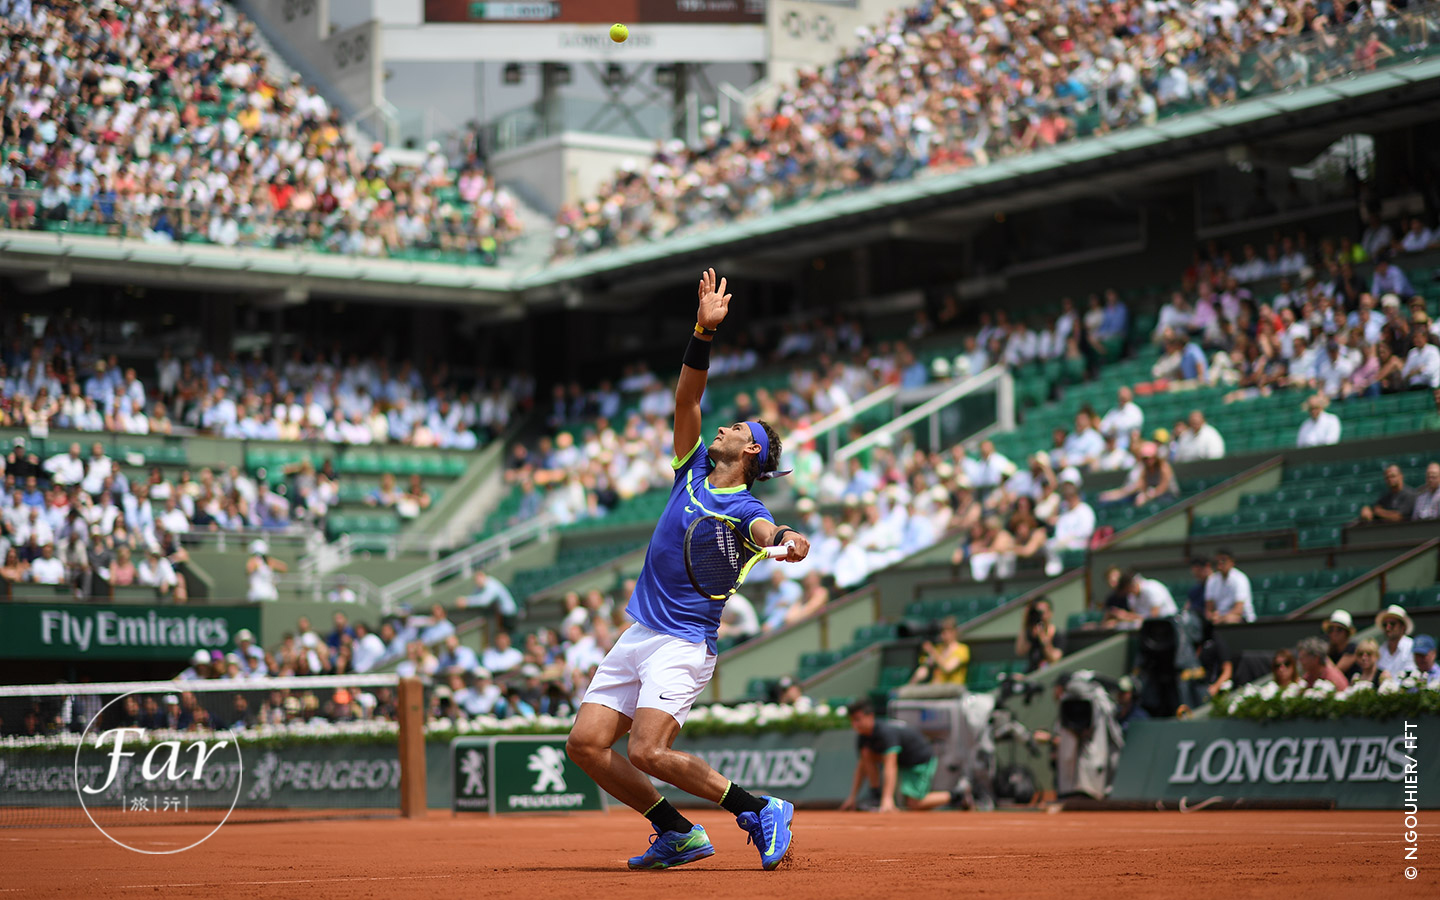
<point>648,669</point>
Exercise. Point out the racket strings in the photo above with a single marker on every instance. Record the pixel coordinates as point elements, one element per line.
<point>714,557</point>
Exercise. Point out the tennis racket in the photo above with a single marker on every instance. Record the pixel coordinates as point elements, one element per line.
<point>715,556</point>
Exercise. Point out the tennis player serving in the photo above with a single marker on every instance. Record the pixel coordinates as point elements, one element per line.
<point>651,677</point>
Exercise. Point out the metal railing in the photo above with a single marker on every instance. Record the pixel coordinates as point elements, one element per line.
<point>306,539</point>
<point>464,562</point>
<point>319,588</point>
<point>830,425</point>
<point>997,375</point>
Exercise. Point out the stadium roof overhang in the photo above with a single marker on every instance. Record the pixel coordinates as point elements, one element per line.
<point>927,209</point>
<point>43,260</point>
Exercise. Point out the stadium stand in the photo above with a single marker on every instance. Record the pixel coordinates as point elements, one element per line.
<point>922,93</point>
<point>115,132</point>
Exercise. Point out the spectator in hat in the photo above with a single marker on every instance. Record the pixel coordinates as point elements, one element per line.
<point>1397,651</point>
<point>1315,665</point>
<point>1427,496</point>
<point>1152,479</point>
<point>1367,665</point>
<point>261,570</point>
<point>1320,428</point>
<point>1339,629</point>
<point>1423,652</point>
<point>175,717</point>
<point>1127,709</point>
<point>198,669</point>
<point>1397,504</point>
<point>1228,598</point>
<point>252,658</point>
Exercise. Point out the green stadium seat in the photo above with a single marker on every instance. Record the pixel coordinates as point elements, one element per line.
<point>1415,598</point>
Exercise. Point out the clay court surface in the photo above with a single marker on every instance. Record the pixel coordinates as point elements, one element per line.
<point>1064,856</point>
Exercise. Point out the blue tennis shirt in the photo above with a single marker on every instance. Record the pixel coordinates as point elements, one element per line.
<point>664,599</point>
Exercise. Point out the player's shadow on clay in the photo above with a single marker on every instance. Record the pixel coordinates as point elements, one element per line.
<point>622,870</point>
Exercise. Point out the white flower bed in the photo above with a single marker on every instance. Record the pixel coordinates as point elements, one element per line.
<point>710,719</point>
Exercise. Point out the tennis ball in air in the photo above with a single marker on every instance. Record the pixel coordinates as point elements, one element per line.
<point>618,33</point>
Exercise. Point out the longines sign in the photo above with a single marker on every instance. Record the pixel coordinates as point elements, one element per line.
<point>1357,763</point>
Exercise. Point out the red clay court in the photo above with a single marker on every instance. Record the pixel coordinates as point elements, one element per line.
<point>1217,855</point>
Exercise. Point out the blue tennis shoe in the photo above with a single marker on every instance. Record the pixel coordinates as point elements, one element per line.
<point>671,848</point>
<point>769,830</point>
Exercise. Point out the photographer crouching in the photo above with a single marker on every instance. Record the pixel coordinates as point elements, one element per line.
<point>1039,641</point>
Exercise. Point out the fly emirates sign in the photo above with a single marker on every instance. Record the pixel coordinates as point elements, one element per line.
<point>73,631</point>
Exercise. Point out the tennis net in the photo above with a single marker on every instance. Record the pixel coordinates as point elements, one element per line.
<point>199,753</point>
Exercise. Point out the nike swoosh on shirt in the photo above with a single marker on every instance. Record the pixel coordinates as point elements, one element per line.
<point>689,509</point>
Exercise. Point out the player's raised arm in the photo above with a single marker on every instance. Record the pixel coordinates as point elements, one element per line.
<point>714,304</point>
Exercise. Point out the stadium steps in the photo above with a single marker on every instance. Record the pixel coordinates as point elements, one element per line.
<point>1317,500</point>
<point>569,562</point>
<point>536,244</point>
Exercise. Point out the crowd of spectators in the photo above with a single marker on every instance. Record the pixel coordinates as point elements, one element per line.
<point>896,500</point>
<point>1322,331</point>
<point>164,120</point>
<point>941,86</point>
<point>58,380</point>
<point>1340,660</point>
<point>76,520</point>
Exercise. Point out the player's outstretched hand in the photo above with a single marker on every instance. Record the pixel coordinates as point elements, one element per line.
<point>714,302</point>
<point>800,547</point>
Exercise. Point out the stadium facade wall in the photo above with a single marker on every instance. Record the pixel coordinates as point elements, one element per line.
<point>1357,763</point>
<point>569,167</point>
<point>809,34</point>
<point>344,66</point>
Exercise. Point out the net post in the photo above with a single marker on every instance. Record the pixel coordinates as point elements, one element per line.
<point>411,713</point>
